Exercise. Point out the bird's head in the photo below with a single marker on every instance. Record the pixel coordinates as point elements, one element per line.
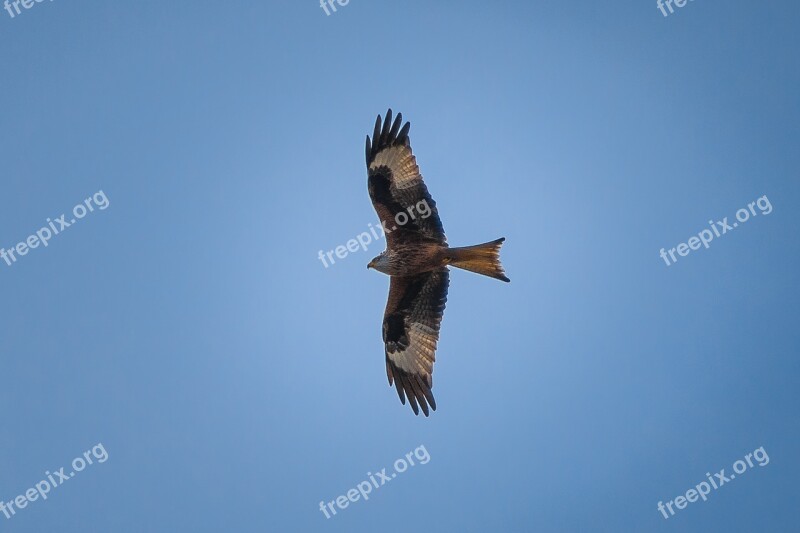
<point>379,263</point>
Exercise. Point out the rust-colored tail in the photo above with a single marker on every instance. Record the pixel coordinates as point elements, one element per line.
<point>481,258</point>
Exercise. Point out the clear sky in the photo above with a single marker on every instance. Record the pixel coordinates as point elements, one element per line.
<point>234,382</point>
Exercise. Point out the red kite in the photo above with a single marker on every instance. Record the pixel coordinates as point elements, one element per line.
<point>416,259</point>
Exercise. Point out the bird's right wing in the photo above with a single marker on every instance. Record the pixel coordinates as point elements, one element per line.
<point>411,331</point>
<point>396,188</point>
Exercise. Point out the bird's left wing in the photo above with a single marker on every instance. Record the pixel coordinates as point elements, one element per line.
<point>396,188</point>
<point>411,331</point>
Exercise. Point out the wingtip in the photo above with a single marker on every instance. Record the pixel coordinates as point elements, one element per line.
<point>426,407</point>
<point>402,137</point>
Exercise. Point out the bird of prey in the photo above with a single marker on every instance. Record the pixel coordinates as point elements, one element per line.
<point>416,258</point>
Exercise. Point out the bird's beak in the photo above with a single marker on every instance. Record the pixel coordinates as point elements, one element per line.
<point>371,264</point>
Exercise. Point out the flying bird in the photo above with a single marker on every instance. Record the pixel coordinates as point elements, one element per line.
<point>416,259</point>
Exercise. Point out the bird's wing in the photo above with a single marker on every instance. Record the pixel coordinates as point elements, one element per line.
<point>410,331</point>
<point>395,185</point>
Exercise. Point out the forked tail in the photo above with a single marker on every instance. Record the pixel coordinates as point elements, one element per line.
<point>481,258</point>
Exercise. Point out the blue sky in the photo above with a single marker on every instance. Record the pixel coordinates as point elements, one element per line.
<point>235,382</point>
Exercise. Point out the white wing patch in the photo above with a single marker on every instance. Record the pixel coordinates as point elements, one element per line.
<point>420,355</point>
<point>402,163</point>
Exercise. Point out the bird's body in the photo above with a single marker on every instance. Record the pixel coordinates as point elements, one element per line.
<point>417,256</point>
<point>411,257</point>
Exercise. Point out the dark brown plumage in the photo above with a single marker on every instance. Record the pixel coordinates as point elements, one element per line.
<point>416,258</point>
